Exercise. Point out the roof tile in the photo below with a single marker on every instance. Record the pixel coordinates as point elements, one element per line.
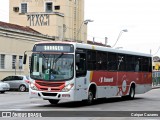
<point>17,27</point>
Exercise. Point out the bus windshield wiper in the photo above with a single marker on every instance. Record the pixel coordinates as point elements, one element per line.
<point>44,56</point>
<point>58,57</point>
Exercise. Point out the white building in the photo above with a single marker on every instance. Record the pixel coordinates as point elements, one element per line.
<point>14,41</point>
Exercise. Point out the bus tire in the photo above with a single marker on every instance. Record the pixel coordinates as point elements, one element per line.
<point>131,93</point>
<point>90,99</point>
<point>2,91</point>
<point>53,101</point>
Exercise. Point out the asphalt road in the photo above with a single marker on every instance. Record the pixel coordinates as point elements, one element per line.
<point>20,101</point>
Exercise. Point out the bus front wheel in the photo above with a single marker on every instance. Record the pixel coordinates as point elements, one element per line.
<point>90,99</point>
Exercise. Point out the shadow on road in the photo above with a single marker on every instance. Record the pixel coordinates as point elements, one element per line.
<point>96,102</point>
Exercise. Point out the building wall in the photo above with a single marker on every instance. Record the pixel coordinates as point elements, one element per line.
<point>156,65</point>
<point>63,23</point>
<point>16,43</point>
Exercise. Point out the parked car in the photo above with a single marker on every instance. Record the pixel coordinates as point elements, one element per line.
<point>17,82</point>
<point>4,87</point>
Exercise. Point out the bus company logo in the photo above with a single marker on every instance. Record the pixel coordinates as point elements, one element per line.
<point>49,89</point>
<point>106,80</point>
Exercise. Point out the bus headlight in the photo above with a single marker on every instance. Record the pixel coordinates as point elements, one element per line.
<point>67,88</point>
<point>33,87</point>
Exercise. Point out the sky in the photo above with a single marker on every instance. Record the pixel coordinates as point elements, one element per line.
<point>140,17</point>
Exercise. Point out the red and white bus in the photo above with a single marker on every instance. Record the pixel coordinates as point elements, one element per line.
<point>78,71</point>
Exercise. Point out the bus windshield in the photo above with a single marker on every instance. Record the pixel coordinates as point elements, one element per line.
<point>51,67</point>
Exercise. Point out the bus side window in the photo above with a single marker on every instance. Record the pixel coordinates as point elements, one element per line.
<point>80,64</point>
<point>112,62</point>
<point>138,64</point>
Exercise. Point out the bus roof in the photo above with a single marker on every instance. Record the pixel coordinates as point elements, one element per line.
<point>109,49</point>
<point>96,47</point>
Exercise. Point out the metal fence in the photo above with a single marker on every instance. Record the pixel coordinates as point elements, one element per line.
<point>156,78</point>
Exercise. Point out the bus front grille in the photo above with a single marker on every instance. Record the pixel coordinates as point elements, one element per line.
<point>52,89</point>
<point>49,94</point>
<point>49,84</point>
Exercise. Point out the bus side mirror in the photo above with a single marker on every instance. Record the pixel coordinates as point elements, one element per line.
<point>24,58</point>
<point>77,58</point>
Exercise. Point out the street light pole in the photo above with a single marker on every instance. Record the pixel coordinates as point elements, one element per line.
<point>125,30</point>
<point>84,22</point>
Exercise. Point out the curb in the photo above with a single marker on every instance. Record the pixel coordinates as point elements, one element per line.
<point>156,87</point>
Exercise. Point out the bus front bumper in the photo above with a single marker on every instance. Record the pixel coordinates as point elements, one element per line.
<point>52,95</point>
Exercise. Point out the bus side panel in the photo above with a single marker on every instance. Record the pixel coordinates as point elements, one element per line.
<point>106,83</point>
<point>120,81</point>
<point>106,91</point>
<point>102,78</point>
<point>142,80</point>
<point>142,88</point>
<point>112,83</point>
<point>81,87</point>
<point>145,84</point>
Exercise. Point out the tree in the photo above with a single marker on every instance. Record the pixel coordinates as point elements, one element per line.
<point>156,59</point>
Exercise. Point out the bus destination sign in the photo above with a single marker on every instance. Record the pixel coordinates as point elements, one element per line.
<point>53,48</point>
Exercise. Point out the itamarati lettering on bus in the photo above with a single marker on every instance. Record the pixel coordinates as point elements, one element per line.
<point>53,48</point>
<point>104,79</point>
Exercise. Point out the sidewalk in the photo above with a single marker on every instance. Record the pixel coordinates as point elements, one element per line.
<point>155,86</point>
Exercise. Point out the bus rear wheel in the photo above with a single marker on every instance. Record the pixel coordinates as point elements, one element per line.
<point>131,93</point>
<point>53,101</point>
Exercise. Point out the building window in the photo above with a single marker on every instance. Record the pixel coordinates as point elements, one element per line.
<point>23,7</point>
<point>57,7</point>
<point>20,62</point>
<point>2,61</point>
<point>14,61</point>
<point>29,61</point>
<point>49,7</point>
<point>75,1</point>
<point>16,9</point>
